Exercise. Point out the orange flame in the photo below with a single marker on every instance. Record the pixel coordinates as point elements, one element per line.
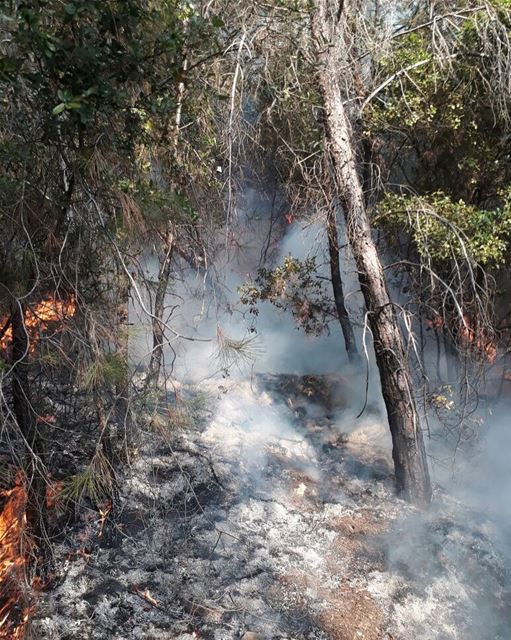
<point>435,323</point>
<point>38,318</point>
<point>15,605</point>
<point>479,342</point>
<point>14,610</point>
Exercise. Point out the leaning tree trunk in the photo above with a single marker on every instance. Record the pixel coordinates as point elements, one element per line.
<point>335,275</point>
<point>412,476</point>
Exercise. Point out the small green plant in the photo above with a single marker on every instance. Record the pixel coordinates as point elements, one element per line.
<point>171,420</point>
<point>50,359</point>
<point>108,369</point>
<point>197,402</point>
<point>94,482</point>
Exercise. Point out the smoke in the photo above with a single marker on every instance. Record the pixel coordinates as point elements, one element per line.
<point>198,309</point>
<point>451,566</point>
<point>447,571</point>
<point>250,426</point>
<point>482,475</point>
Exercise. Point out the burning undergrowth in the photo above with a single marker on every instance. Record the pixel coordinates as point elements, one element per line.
<point>38,318</point>
<point>25,331</point>
<point>15,600</point>
<point>272,515</point>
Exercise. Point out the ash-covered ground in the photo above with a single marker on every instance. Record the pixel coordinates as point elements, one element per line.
<point>268,511</point>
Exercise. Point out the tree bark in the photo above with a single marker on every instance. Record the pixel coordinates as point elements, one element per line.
<point>335,274</point>
<point>122,390</point>
<point>411,470</point>
<point>166,255</point>
<point>154,368</point>
<point>27,424</point>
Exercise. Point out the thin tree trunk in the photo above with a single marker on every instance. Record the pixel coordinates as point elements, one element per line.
<point>411,470</point>
<point>154,368</point>
<point>166,255</point>
<point>122,390</point>
<point>335,273</point>
<point>27,424</point>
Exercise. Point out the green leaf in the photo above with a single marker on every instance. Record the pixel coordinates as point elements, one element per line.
<point>29,16</point>
<point>63,95</point>
<point>58,109</point>
<point>70,9</point>
<point>91,91</point>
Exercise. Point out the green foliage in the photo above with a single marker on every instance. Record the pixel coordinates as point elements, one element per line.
<point>51,359</point>
<point>445,230</point>
<point>109,370</point>
<point>165,419</point>
<point>94,482</point>
<point>443,123</point>
<point>287,102</point>
<point>294,286</point>
<point>92,86</point>
<point>87,54</point>
<point>198,402</point>
<point>174,419</point>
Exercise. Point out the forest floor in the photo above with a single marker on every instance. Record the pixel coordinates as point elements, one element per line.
<point>270,513</point>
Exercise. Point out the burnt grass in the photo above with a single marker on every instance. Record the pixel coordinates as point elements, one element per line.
<point>271,516</point>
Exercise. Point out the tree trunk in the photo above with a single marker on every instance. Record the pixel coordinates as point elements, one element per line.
<point>412,476</point>
<point>27,424</point>
<point>335,272</point>
<point>122,390</point>
<point>154,368</point>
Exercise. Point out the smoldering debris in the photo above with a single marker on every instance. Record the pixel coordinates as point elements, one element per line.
<point>271,517</point>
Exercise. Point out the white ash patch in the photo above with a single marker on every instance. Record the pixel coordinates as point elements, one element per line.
<point>267,520</point>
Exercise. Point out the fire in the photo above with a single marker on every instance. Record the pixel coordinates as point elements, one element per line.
<point>481,343</point>
<point>470,338</point>
<point>15,605</point>
<point>435,323</point>
<point>38,317</point>
<point>14,610</point>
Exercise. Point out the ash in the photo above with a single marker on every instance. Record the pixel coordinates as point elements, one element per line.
<point>273,515</point>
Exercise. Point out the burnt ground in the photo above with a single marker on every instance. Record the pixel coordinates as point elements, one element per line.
<point>271,514</point>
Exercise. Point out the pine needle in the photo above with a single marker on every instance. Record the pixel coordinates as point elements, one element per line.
<point>238,353</point>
